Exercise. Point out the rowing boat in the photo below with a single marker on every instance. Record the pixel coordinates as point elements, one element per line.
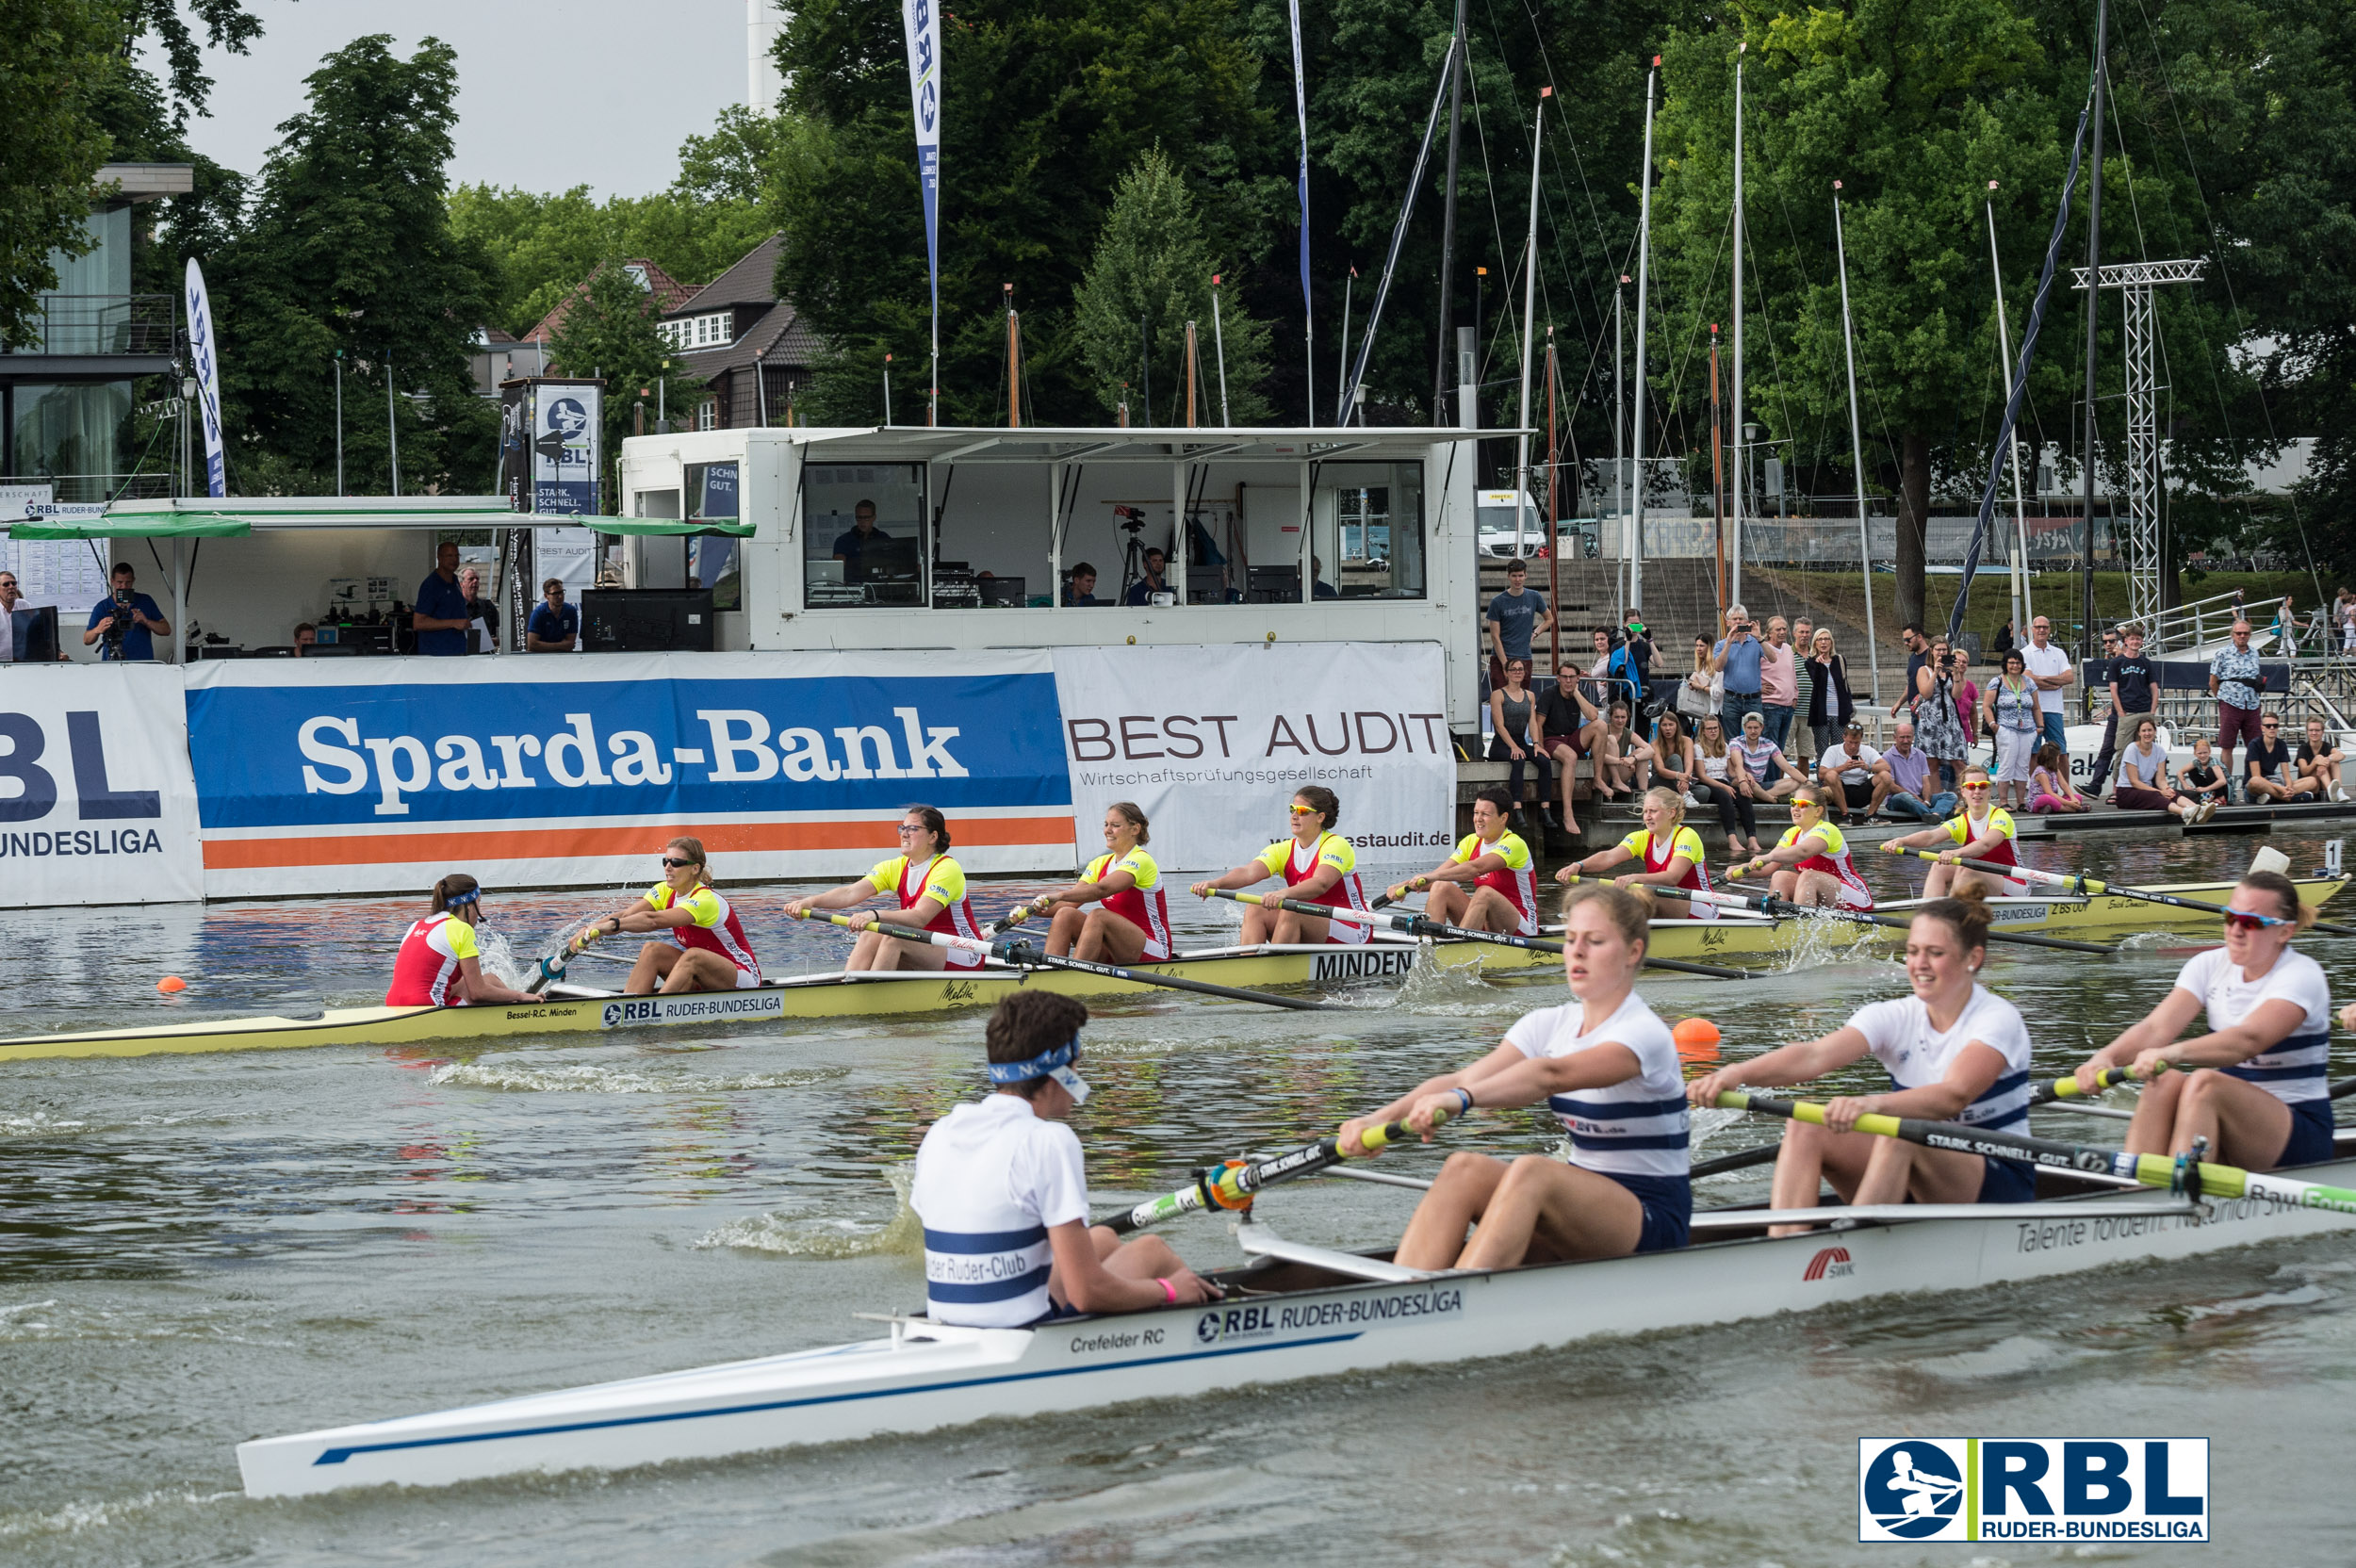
<point>578,1009</point>
<point>1293,1312</point>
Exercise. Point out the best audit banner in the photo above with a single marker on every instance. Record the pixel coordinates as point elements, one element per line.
<point>1212,741</point>
<point>97,805</point>
<point>534,771</point>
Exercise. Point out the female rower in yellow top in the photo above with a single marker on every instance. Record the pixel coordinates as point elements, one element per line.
<point>1504,891</point>
<point>440,964</point>
<point>1980,831</point>
<point>1811,860</point>
<point>1319,866</point>
<point>1130,919</point>
<point>931,890</point>
<point>698,942</point>
<point>1669,852</point>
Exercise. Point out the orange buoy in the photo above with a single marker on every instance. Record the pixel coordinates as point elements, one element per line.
<point>1696,1039</point>
<point>172,985</point>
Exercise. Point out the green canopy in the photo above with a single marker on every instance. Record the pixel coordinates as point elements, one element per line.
<point>150,526</point>
<point>728,526</point>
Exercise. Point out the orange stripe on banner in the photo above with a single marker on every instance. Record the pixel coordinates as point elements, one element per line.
<point>580,843</point>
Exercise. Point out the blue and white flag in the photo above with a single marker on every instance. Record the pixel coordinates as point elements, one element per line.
<point>924,32</point>
<point>1300,112</point>
<point>202,351</point>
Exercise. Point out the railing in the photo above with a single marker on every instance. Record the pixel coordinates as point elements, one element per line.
<point>101,324</point>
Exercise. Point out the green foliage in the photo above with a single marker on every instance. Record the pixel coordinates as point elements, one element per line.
<point>350,248</point>
<point>612,332</point>
<point>226,27</point>
<point>1151,277</point>
<point>51,52</point>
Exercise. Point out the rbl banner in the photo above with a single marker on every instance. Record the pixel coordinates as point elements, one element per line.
<point>96,802</point>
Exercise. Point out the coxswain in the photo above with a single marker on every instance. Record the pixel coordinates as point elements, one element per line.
<point>1003,1199</point>
<point>1131,917</point>
<point>1319,866</point>
<point>1954,1051</point>
<point>1811,860</point>
<point>1980,831</point>
<point>1669,852</point>
<point>1504,891</point>
<point>2253,1083</point>
<point>440,964</point>
<point>700,945</point>
<point>931,890</point>
<point>1607,1066</point>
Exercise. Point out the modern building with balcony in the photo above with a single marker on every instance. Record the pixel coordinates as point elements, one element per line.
<point>67,400</point>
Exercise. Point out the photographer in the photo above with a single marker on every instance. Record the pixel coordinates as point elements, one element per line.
<point>127,621</point>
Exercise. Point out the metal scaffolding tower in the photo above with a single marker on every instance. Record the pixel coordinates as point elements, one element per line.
<point>2137,538</point>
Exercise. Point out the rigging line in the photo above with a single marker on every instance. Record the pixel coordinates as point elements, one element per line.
<point>1496,228</point>
<point>1545,58</point>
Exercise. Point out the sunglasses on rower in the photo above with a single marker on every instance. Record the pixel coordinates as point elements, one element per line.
<point>2247,919</point>
<point>670,864</point>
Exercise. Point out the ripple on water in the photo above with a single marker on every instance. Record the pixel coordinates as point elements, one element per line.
<point>503,1073</point>
<point>809,1234</point>
<point>74,1518</point>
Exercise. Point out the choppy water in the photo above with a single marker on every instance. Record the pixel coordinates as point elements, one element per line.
<point>195,1250</point>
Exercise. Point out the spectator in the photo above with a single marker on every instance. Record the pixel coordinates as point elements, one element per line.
<point>1515,616</point>
<point>1918,649</point>
<point>1804,696</point>
<point>2011,704</point>
<point>2286,628</point>
<point>2318,760</point>
<point>1637,645</point>
<point>2050,788</point>
<point>2270,774</point>
<point>555,626</point>
<point>1778,680</point>
<point>1935,722</point>
<point>306,637</point>
<point>2143,781</point>
<point>1830,707</point>
<point>2203,778</point>
<point>2347,623</point>
<point>483,616</point>
<point>2235,679</point>
<point>1700,693</point>
<point>1082,588</point>
<point>1715,781</point>
<point>2135,684</point>
<point>1156,570</point>
<point>1737,657</point>
<point>1852,775</point>
<point>441,615</point>
<point>1511,707</point>
<point>2098,673</point>
<point>1673,756</point>
<point>1598,672</point>
<point>1564,730</point>
<point>1967,702</point>
<point>127,620</point>
<point>2049,669</point>
<point>2007,640</point>
<point>1762,772</point>
<point>1912,793</point>
<point>1622,760</point>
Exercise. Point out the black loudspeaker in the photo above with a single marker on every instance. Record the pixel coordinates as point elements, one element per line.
<point>646,620</point>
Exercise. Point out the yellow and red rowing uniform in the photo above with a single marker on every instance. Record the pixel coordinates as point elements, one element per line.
<point>1834,862</point>
<point>1656,855</point>
<point>1295,864</point>
<point>1516,881</point>
<point>716,928</point>
<point>942,880</point>
<point>426,966</point>
<point>1963,831</point>
<point>1144,904</point>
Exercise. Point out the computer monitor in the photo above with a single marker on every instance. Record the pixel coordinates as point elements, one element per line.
<point>1275,586</point>
<point>1003,590</point>
<point>884,559</point>
<point>646,620</point>
<point>829,570</point>
<point>35,635</point>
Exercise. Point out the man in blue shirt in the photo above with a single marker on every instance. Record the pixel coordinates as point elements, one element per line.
<point>441,613</point>
<point>1143,590</point>
<point>555,626</point>
<point>1082,588</point>
<point>1516,617</point>
<point>1739,656</point>
<point>128,621</point>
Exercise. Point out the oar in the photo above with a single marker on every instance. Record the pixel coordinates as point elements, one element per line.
<point>2153,1171</point>
<point>2066,1088</point>
<point>1231,1186</point>
<point>2095,887</point>
<point>1741,1161</point>
<point>550,965</point>
<point>1019,951</point>
<point>1770,904</point>
<point>1414,925</point>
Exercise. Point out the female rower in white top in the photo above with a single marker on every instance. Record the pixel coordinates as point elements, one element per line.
<point>1980,831</point>
<point>2253,1086</point>
<point>1003,1197</point>
<point>1603,1063</point>
<point>1954,1051</point>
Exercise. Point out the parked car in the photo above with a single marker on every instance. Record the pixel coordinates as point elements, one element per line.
<point>1493,520</point>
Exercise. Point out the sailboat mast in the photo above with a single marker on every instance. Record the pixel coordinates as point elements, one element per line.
<point>2021,604</point>
<point>2086,643</point>
<point>1857,449</point>
<point>1644,270</point>
<point>1530,305</point>
<point>1741,455</point>
<point>1447,222</point>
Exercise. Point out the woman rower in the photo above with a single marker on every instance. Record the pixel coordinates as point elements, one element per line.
<point>1504,891</point>
<point>1130,919</point>
<point>1811,859</point>
<point>2253,1083</point>
<point>1980,831</point>
<point>931,890</point>
<point>1605,1065</point>
<point>701,945</point>
<point>1956,1051</point>
<point>1319,866</point>
<point>440,964</point>
<point>1670,853</point>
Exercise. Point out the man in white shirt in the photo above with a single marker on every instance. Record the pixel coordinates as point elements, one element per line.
<point>9,599</point>
<point>2050,670</point>
<point>1004,1197</point>
<point>1853,774</point>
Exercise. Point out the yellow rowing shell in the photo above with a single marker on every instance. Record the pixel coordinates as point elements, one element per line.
<point>830,996</point>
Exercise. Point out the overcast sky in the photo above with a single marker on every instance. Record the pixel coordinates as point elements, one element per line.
<point>552,93</point>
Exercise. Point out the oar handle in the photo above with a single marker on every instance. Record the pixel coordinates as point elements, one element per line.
<point>1232,1185</point>
<point>2066,1088</point>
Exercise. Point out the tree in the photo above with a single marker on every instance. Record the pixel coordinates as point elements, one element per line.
<point>350,248</point>
<point>55,50</point>
<point>611,333</point>
<point>1149,279</point>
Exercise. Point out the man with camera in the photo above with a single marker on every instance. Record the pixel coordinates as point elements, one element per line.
<point>1142,591</point>
<point>1739,655</point>
<point>125,621</point>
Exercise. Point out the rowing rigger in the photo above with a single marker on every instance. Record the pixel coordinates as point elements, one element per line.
<point>2092,887</point>
<point>1423,925</point>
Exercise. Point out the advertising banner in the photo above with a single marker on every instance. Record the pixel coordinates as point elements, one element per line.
<point>389,773</point>
<point>97,805</point>
<point>1212,740</point>
<point>566,426</point>
<point>203,357</point>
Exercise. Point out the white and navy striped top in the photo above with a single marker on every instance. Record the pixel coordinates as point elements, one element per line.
<point>991,1178</point>
<point>2293,1072</point>
<point>1636,1127</point>
<point>1901,1037</point>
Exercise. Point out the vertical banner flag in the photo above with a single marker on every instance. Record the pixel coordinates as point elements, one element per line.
<point>924,30</point>
<point>567,422</point>
<point>202,351</point>
<point>1300,112</point>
